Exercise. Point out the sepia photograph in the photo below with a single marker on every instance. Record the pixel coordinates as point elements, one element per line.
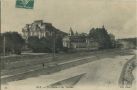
<point>68,44</point>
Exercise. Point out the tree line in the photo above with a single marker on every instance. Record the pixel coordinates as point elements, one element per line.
<point>104,39</point>
<point>14,43</point>
<point>45,45</point>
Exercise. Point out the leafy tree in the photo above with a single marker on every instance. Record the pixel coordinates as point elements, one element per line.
<point>40,45</point>
<point>45,44</point>
<point>101,36</point>
<point>33,43</point>
<point>59,43</point>
<point>112,38</point>
<point>13,42</point>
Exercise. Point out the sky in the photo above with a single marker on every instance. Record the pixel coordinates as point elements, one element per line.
<point>118,16</point>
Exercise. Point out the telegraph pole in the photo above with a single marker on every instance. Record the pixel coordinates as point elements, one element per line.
<point>54,45</point>
<point>4,43</point>
<point>0,17</point>
<point>0,42</point>
<point>4,40</point>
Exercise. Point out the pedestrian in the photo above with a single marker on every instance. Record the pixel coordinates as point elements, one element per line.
<point>43,65</point>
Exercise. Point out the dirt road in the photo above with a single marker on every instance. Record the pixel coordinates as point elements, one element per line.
<point>100,73</point>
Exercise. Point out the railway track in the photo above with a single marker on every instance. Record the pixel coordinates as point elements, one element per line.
<point>51,68</point>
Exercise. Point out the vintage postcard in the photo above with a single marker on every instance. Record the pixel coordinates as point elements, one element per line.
<point>68,44</point>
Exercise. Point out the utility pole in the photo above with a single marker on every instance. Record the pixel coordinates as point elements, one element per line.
<point>1,64</point>
<point>88,43</point>
<point>0,17</point>
<point>1,33</point>
<point>4,43</point>
<point>54,45</point>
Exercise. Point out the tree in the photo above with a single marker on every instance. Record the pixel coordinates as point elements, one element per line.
<point>33,43</point>
<point>101,36</point>
<point>112,38</point>
<point>45,44</point>
<point>42,45</point>
<point>59,43</point>
<point>13,42</point>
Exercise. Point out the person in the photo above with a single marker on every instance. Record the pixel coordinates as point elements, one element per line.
<point>43,65</point>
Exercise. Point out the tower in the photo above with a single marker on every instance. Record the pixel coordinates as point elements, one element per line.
<point>71,32</point>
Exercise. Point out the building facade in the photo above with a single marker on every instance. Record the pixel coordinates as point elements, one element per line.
<point>40,29</point>
<point>79,41</point>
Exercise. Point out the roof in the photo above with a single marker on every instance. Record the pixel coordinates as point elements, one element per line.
<point>48,27</point>
<point>79,38</point>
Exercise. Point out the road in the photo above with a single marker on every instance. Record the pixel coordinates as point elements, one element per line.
<point>102,73</point>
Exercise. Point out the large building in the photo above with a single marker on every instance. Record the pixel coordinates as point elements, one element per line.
<point>40,29</point>
<point>79,41</point>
